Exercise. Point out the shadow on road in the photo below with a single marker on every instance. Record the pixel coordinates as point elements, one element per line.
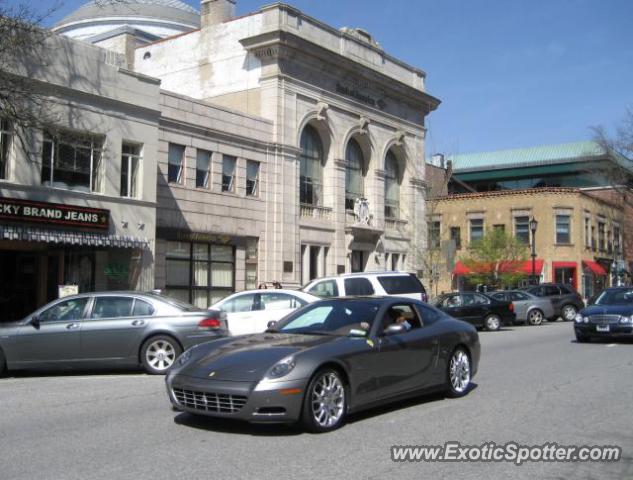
<point>105,372</point>
<point>239,427</point>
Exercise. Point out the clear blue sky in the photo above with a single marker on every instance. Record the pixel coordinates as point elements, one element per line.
<point>510,73</point>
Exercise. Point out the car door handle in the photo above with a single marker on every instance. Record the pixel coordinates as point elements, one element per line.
<point>72,326</point>
<point>138,323</point>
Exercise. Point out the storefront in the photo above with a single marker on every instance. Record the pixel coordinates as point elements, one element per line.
<point>44,246</point>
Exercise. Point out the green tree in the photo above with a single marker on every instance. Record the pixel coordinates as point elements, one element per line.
<point>493,260</point>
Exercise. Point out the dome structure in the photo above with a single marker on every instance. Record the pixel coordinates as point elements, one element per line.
<point>148,19</point>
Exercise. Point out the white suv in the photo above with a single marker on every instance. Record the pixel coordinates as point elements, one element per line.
<point>397,284</point>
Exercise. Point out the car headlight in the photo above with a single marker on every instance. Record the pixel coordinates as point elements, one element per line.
<point>626,319</point>
<point>282,368</point>
<point>578,318</point>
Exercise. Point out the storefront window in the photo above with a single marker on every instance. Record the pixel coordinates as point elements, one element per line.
<point>72,161</point>
<point>311,168</point>
<point>199,273</point>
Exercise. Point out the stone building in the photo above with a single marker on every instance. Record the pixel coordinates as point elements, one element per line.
<point>289,148</point>
<point>77,189</point>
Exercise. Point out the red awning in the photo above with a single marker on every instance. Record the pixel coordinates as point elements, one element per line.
<point>518,267</point>
<point>595,267</point>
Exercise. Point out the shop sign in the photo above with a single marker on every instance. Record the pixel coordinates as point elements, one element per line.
<point>53,213</point>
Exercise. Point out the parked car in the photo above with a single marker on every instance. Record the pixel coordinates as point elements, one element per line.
<point>477,308</point>
<point>565,300</point>
<point>389,283</point>
<point>250,311</point>
<point>107,329</point>
<point>611,316</point>
<point>528,308</point>
<point>326,360</point>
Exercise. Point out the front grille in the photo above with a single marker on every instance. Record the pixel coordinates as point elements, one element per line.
<point>210,402</point>
<point>604,319</point>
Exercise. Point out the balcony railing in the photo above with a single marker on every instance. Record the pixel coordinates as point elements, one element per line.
<point>314,211</point>
<point>395,224</point>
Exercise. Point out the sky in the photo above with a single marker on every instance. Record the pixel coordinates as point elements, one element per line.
<point>509,73</point>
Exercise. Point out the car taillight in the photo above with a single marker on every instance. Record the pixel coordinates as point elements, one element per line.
<point>511,307</point>
<point>209,323</point>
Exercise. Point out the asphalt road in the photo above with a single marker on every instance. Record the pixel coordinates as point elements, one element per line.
<point>535,386</point>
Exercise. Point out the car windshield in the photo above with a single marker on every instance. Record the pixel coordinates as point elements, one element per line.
<point>615,297</point>
<point>337,317</point>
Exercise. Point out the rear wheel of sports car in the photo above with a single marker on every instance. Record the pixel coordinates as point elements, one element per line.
<point>492,322</point>
<point>458,373</point>
<point>535,317</point>
<point>159,353</point>
<point>325,402</point>
<point>569,313</point>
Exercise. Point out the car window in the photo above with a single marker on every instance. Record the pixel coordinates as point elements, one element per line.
<point>280,301</point>
<point>551,290</point>
<point>358,286</point>
<point>326,288</point>
<point>499,296</point>
<point>241,303</point>
<point>565,290</point>
<point>142,309</point>
<point>474,299</point>
<point>519,296</point>
<point>427,314</point>
<point>397,284</point>
<point>72,309</point>
<point>112,307</point>
<point>401,314</point>
<point>453,301</point>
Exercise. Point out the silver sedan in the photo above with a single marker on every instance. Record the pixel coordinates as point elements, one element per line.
<point>527,307</point>
<point>107,329</point>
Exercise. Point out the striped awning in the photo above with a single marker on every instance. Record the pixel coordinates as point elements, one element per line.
<point>31,234</point>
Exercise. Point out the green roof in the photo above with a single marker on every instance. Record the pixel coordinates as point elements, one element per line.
<point>527,157</point>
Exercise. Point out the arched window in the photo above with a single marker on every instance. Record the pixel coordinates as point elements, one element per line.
<point>311,168</point>
<point>354,168</point>
<point>392,186</point>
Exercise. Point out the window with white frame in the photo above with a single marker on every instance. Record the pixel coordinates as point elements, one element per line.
<point>587,232</point>
<point>130,170</point>
<point>354,174</point>
<point>203,168</point>
<point>252,178</point>
<point>72,160</point>
<point>476,229</point>
<point>617,239</point>
<point>522,229</point>
<point>228,173</point>
<point>311,168</point>
<point>602,244</point>
<point>176,161</point>
<point>6,139</point>
<point>563,229</point>
<point>434,234</point>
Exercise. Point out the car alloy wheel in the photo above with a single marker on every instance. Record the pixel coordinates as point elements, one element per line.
<point>492,322</point>
<point>569,313</point>
<point>159,353</point>
<point>535,317</point>
<point>458,373</point>
<point>325,402</point>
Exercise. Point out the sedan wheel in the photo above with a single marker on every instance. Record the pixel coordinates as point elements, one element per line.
<point>569,313</point>
<point>159,353</point>
<point>325,403</point>
<point>492,322</point>
<point>458,373</point>
<point>535,317</point>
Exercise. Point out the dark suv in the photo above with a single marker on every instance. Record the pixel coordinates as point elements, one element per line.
<point>565,300</point>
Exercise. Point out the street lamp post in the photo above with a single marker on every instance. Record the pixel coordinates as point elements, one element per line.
<point>533,225</point>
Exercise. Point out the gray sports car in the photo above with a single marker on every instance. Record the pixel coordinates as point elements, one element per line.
<point>326,360</point>
<point>107,329</point>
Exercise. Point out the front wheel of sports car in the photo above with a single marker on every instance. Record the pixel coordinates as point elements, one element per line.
<point>458,374</point>
<point>325,402</point>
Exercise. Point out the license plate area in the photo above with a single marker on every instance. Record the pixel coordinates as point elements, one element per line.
<point>602,328</point>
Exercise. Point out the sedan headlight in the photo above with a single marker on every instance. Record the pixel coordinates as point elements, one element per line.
<point>626,319</point>
<point>578,318</point>
<point>282,368</point>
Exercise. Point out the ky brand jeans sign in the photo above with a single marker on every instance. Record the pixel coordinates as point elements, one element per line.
<point>53,213</point>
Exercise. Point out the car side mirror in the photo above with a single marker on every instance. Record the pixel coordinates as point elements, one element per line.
<point>271,325</point>
<point>35,321</point>
<point>395,329</point>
